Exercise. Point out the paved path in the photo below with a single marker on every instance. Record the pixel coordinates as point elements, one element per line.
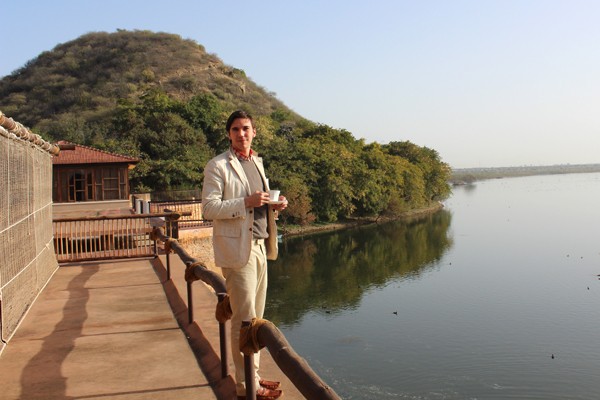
<point>109,330</point>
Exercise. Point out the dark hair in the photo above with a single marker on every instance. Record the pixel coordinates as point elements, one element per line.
<point>237,115</point>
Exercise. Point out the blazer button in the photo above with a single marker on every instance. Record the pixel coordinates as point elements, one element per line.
<point>250,229</point>
<point>250,211</point>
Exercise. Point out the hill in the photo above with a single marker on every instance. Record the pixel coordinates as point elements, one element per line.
<point>81,81</point>
<point>164,100</point>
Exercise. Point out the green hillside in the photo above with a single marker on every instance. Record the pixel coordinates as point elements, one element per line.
<point>165,100</point>
<point>80,82</point>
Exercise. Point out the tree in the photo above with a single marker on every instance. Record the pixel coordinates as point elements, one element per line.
<point>172,152</point>
<point>333,157</point>
<point>205,112</point>
<point>372,181</point>
<point>435,173</point>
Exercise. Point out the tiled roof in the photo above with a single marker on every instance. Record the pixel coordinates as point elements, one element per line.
<point>71,153</point>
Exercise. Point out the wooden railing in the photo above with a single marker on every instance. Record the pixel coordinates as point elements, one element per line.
<point>97,238</point>
<point>267,334</point>
<point>191,211</point>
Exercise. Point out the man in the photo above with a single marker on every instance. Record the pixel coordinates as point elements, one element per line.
<point>235,197</point>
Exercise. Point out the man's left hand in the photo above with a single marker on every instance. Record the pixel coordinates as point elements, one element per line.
<point>283,205</point>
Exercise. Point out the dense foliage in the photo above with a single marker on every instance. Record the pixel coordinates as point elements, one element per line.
<point>165,100</point>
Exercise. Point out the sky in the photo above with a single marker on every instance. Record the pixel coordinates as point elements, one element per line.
<point>485,83</point>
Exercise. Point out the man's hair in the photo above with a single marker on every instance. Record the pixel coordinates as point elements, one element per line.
<point>237,115</point>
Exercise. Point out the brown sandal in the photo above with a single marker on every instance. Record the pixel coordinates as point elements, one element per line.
<point>264,394</point>
<point>269,384</point>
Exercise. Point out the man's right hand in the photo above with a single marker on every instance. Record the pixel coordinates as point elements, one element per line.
<point>256,199</point>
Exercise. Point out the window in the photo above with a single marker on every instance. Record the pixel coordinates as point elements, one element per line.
<point>90,184</point>
<point>76,185</point>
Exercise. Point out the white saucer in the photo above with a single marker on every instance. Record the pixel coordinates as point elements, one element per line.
<point>276,202</point>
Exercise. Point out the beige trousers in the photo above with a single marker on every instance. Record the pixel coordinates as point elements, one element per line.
<point>247,289</point>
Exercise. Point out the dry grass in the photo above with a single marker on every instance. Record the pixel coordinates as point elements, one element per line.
<point>201,249</point>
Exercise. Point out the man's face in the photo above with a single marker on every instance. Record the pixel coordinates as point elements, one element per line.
<point>241,134</point>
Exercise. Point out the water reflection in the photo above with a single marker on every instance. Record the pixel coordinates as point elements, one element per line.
<point>330,272</point>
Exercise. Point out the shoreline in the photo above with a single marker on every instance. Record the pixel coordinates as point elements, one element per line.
<point>297,230</point>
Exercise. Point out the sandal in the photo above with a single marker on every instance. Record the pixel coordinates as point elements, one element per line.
<point>269,384</point>
<point>264,394</point>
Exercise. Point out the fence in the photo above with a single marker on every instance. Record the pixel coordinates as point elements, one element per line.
<point>96,238</point>
<point>193,207</point>
<point>26,253</point>
<point>177,195</point>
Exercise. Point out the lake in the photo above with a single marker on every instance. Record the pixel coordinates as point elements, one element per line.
<point>495,297</point>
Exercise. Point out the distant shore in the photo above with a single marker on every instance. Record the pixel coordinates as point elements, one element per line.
<point>465,176</point>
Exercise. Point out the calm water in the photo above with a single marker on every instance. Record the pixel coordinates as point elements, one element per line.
<point>471,303</point>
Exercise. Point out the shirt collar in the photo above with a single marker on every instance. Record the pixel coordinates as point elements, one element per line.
<point>242,157</point>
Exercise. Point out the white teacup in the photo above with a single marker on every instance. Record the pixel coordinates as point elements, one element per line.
<point>274,195</point>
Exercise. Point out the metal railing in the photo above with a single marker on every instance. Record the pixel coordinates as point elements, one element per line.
<point>107,237</point>
<point>268,335</point>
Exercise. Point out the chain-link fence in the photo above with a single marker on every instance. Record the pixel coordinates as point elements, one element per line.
<point>27,259</point>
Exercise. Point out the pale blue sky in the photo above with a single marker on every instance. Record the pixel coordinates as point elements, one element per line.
<point>483,82</point>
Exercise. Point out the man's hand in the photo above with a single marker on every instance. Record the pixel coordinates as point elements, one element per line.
<point>256,199</point>
<point>281,206</point>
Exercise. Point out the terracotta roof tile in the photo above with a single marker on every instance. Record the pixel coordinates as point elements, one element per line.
<point>80,154</point>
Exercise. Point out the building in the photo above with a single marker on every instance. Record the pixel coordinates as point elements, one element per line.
<point>89,179</point>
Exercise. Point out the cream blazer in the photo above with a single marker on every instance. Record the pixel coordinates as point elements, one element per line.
<point>223,191</point>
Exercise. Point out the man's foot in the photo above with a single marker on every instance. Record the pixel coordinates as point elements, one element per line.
<point>269,384</point>
<point>264,394</point>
